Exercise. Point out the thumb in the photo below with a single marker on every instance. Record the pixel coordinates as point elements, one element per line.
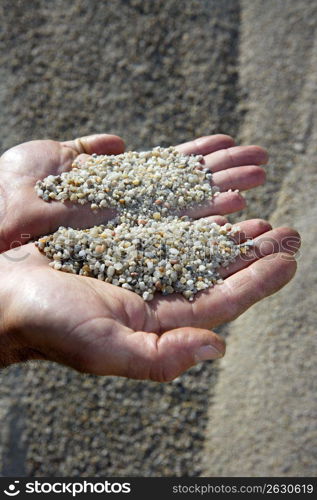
<point>179,349</point>
<point>144,355</point>
<point>100,144</point>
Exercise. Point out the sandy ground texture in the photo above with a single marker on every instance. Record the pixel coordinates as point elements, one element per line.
<point>262,421</point>
<point>160,73</point>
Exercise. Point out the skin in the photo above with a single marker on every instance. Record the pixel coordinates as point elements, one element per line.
<point>98,328</point>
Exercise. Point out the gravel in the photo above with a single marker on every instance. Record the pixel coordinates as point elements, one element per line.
<point>151,183</point>
<point>148,247</point>
<point>170,256</point>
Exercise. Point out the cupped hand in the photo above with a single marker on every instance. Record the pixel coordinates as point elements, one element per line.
<point>96,327</point>
<point>24,216</point>
<point>102,329</point>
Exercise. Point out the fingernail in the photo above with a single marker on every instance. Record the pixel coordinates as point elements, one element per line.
<point>207,352</point>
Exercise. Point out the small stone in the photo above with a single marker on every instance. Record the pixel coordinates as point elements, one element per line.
<point>99,248</point>
<point>299,147</point>
<point>201,285</point>
<point>158,285</point>
<point>126,286</point>
<point>110,271</point>
<point>147,296</point>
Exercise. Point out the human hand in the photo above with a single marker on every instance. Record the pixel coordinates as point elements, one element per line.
<point>23,215</point>
<point>99,328</point>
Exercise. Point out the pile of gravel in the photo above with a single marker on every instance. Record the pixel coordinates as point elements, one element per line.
<point>147,248</point>
<point>167,257</point>
<point>155,182</point>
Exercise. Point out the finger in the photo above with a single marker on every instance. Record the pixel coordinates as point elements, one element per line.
<point>236,157</point>
<point>143,355</point>
<point>241,290</point>
<point>206,145</point>
<point>100,144</point>
<point>247,229</point>
<point>251,228</point>
<point>228,300</point>
<point>218,219</point>
<point>78,216</point>
<point>223,204</point>
<point>178,350</point>
<point>81,159</point>
<point>241,178</point>
<point>282,239</point>
<point>225,302</point>
<point>44,218</point>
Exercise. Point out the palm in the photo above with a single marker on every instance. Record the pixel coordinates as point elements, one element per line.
<point>102,329</point>
<point>99,328</point>
<point>78,315</point>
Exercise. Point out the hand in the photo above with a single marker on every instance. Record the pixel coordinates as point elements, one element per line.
<point>99,328</point>
<point>23,215</point>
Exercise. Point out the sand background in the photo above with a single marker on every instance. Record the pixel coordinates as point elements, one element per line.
<point>161,73</point>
